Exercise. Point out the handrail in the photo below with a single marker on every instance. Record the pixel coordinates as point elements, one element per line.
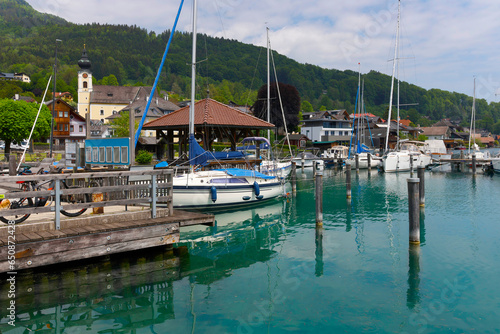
<point>157,186</point>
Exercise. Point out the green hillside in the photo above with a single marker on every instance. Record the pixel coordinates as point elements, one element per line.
<point>232,70</point>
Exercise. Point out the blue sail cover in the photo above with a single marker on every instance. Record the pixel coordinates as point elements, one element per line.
<point>198,155</point>
<point>246,172</point>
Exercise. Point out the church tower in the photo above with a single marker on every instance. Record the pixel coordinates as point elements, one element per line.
<point>84,84</point>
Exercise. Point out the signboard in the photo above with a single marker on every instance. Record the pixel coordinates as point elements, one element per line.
<point>70,150</point>
<point>107,151</point>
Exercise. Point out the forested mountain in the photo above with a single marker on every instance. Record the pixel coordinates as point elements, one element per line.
<point>233,70</point>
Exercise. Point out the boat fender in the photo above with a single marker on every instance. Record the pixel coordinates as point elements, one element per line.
<point>256,188</point>
<point>213,192</point>
<point>246,198</point>
<point>260,197</point>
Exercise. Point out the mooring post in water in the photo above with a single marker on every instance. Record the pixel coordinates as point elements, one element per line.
<point>414,210</point>
<point>348,179</point>
<point>319,198</point>
<point>369,157</point>
<point>294,177</point>
<point>473,164</point>
<point>303,162</point>
<point>357,163</point>
<point>411,163</point>
<point>421,177</point>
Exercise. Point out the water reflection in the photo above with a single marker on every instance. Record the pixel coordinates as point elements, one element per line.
<point>413,292</point>
<point>319,264</point>
<point>115,292</point>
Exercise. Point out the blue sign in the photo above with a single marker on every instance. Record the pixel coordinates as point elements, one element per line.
<point>107,151</point>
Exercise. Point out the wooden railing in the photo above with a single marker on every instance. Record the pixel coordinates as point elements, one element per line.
<point>117,188</point>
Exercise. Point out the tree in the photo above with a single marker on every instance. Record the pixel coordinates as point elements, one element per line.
<point>291,105</point>
<point>17,118</point>
<point>120,125</point>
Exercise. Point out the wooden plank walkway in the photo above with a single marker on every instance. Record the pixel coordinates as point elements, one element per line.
<point>38,247</point>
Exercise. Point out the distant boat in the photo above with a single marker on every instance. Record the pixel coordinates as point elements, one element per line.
<point>307,159</point>
<point>407,155</point>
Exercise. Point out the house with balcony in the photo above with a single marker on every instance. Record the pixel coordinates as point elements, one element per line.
<point>327,126</point>
<point>69,126</point>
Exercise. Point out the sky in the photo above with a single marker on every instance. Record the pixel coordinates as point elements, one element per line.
<point>444,44</point>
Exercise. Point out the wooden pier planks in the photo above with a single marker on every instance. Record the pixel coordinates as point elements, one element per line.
<point>44,247</point>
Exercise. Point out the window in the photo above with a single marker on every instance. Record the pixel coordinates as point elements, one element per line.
<point>71,128</point>
<point>80,128</point>
<point>114,112</point>
<point>65,127</point>
<point>85,85</point>
<point>66,114</point>
<point>61,127</point>
<point>60,114</point>
<point>102,112</point>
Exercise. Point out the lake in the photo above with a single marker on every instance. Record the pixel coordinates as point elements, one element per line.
<point>267,269</point>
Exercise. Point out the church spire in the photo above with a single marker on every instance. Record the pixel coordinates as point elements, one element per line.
<point>84,61</point>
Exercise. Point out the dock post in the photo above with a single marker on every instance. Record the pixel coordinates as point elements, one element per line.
<point>154,198</point>
<point>411,163</point>
<point>474,164</point>
<point>319,252</point>
<point>294,177</point>
<point>357,163</point>
<point>369,157</point>
<point>319,199</point>
<point>414,210</point>
<point>12,164</point>
<point>348,179</point>
<point>57,200</point>
<point>303,163</point>
<point>421,177</point>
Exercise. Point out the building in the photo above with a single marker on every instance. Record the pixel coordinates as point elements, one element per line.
<point>157,108</point>
<point>436,132</point>
<point>102,101</point>
<point>332,125</point>
<point>69,126</point>
<point>15,76</point>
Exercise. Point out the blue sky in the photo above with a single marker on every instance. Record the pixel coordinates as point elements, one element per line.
<point>445,43</point>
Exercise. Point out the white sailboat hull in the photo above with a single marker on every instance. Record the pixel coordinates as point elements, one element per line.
<point>216,189</point>
<point>404,161</point>
<point>495,162</point>
<point>363,161</point>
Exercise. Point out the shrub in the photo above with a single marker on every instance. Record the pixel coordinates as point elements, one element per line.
<point>143,157</point>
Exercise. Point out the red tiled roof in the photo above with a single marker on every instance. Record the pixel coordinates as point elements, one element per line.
<point>208,112</point>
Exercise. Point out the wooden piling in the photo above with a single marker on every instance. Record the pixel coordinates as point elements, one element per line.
<point>421,177</point>
<point>12,164</point>
<point>348,179</point>
<point>414,210</point>
<point>369,157</point>
<point>473,164</point>
<point>357,163</point>
<point>462,163</point>
<point>303,162</point>
<point>294,177</point>
<point>319,199</point>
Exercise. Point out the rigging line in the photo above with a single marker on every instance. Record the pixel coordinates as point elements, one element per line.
<point>34,123</point>
<point>253,78</point>
<point>220,18</point>
<point>138,132</point>
<point>281,102</point>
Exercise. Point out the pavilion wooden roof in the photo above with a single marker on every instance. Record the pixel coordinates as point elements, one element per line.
<point>208,112</point>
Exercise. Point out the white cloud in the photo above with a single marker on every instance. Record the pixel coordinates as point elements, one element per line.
<point>449,41</point>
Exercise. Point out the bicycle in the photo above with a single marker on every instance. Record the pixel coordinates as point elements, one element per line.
<point>26,202</point>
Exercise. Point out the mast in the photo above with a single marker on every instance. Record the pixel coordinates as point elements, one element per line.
<point>392,80</point>
<point>268,93</point>
<point>358,135</point>
<point>193,87</point>
<point>473,117</point>
<point>193,74</point>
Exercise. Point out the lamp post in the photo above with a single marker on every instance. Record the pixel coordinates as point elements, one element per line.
<point>53,101</point>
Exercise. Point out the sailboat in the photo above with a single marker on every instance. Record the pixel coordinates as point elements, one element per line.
<point>473,147</point>
<point>222,187</point>
<point>407,155</point>
<point>271,166</point>
<point>357,147</point>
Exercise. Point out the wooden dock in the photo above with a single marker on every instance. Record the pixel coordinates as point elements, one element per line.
<point>51,239</point>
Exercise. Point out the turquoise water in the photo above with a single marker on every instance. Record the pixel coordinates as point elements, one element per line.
<point>268,270</point>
